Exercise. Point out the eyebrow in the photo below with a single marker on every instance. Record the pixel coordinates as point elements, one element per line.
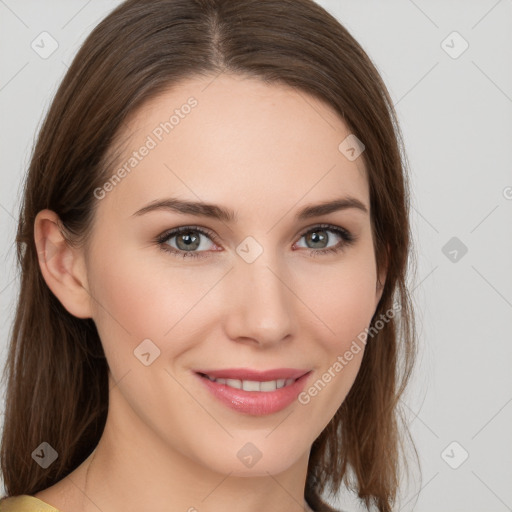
<point>223,214</point>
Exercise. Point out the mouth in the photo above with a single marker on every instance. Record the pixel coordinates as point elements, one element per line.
<point>255,392</point>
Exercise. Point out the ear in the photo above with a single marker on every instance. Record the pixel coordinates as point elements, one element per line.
<point>63,267</point>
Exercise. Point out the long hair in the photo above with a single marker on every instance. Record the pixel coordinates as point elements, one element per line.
<point>56,371</point>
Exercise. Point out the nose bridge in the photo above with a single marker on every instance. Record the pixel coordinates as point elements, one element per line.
<point>262,305</point>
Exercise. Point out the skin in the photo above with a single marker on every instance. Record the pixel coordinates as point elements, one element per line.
<point>264,151</point>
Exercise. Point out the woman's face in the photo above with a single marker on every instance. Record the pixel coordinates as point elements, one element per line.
<point>263,290</point>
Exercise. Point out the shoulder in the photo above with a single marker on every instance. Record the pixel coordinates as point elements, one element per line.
<point>24,503</point>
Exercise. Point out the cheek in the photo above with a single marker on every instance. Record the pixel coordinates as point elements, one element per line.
<point>138,297</point>
<point>124,299</point>
<point>344,301</point>
<point>345,308</point>
<point>343,298</point>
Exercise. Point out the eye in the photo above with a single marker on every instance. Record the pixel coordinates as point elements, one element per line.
<point>188,239</point>
<point>318,237</point>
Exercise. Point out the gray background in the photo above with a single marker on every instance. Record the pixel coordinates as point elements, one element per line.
<point>455,111</point>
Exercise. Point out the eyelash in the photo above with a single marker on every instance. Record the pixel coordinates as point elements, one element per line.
<point>347,239</point>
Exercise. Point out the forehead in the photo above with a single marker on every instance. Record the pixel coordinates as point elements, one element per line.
<point>237,141</point>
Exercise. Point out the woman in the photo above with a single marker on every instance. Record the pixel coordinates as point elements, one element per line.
<point>213,244</point>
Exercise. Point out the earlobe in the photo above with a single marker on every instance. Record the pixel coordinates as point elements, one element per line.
<point>62,266</point>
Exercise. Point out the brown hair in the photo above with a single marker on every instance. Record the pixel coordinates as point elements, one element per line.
<point>57,387</point>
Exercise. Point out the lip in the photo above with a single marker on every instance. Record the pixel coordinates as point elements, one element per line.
<point>256,403</point>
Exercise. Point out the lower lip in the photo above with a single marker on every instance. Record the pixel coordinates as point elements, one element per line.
<point>257,403</point>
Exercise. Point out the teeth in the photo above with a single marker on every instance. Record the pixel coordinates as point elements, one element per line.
<point>253,385</point>
<point>233,383</point>
<point>250,385</point>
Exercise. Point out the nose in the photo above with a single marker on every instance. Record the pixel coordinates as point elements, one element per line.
<point>260,303</point>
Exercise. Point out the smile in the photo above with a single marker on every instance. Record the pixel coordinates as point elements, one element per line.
<point>254,392</point>
<point>253,385</point>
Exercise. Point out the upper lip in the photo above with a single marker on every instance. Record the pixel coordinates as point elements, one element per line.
<point>255,375</point>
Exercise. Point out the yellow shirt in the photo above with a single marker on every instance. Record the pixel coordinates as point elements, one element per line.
<point>25,503</point>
